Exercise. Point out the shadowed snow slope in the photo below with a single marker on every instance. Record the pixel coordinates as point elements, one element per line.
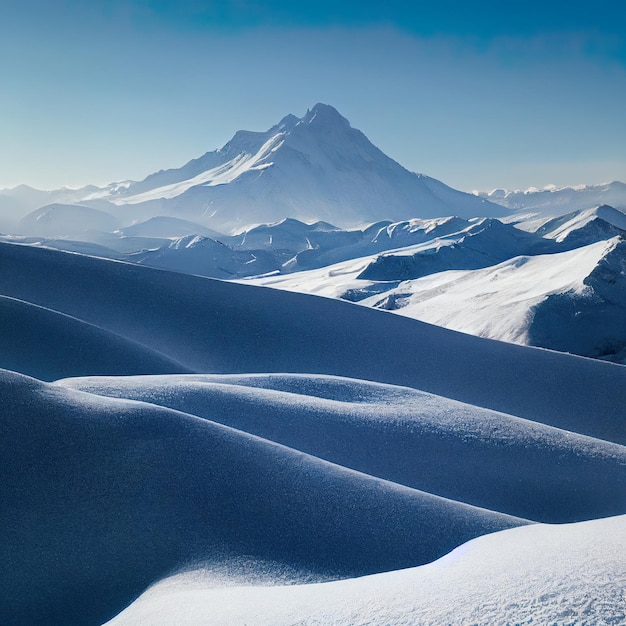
<point>45,343</point>
<point>212,326</point>
<point>573,574</point>
<point>427,442</point>
<point>101,497</point>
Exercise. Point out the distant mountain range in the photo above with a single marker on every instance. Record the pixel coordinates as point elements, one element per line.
<point>312,168</point>
<point>557,200</point>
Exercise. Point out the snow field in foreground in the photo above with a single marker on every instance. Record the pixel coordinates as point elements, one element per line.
<point>542,574</point>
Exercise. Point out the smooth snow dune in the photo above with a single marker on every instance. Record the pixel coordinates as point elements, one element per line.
<point>44,343</point>
<point>569,574</point>
<point>462,452</point>
<point>101,497</point>
<point>212,326</point>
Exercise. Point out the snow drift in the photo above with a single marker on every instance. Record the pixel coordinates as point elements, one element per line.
<point>573,574</point>
<point>213,326</point>
<point>112,484</point>
<point>101,497</point>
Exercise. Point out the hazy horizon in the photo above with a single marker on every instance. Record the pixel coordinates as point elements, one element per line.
<point>465,93</point>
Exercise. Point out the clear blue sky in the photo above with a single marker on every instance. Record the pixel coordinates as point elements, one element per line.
<point>477,94</point>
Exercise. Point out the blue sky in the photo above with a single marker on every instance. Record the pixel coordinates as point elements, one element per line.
<point>471,93</point>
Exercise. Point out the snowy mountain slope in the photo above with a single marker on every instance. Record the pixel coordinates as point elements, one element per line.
<point>213,326</point>
<point>579,228</point>
<point>313,168</point>
<point>570,301</point>
<point>502,294</point>
<point>572,574</point>
<point>559,200</point>
<point>207,257</point>
<point>483,243</point>
<point>591,320</point>
<point>101,497</point>
<point>162,227</point>
<point>458,451</point>
<point>65,220</point>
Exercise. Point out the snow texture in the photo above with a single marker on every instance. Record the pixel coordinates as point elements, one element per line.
<point>224,468</point>
<point>102,497</point>
<point>572,574</point>
<point>212,326</point>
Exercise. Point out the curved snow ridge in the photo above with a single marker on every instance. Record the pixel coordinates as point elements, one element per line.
<point>565,227</point>
<point>567,574</point>
<point>43,342</point>
<point>110,495</point>
<point>213,326</point>
<point>440,446</point>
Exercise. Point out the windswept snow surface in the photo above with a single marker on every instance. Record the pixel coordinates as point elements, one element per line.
<point>101,497</point>
<point>569,574</point>
<point>45,343</point>
<point>427,442</point>
<point>312,440</point>
<point>213,326</point>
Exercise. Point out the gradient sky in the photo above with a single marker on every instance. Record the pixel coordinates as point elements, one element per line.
<point>476,94</point>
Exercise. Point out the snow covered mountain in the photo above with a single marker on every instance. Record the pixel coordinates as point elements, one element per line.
<point>312,168</point>
<point>276,437</point>
<point>558,200</point>
<point>573,301</point>
<point>65,220</point>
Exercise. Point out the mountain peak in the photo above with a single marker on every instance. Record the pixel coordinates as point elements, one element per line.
<point>316,167</point>
<point>324,114</point>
